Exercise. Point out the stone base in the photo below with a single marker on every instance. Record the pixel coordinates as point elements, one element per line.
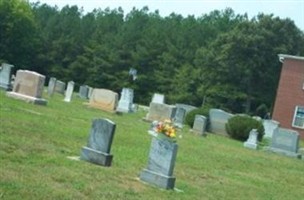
<point>250,145</point>
<point>283,152</point>
<point>26,98</point>
<point>162,181</point>
<point>96,157</point>
<point>110,110</point>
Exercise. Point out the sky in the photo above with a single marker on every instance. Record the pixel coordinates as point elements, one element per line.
<point>292,9</point>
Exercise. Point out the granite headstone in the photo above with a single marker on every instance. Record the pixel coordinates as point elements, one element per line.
<point>218,119</point>
<point>285,141</point>
<point>99,144</point>
<point>161,164</point>
<point>199,125</point>
<point>51,86</point>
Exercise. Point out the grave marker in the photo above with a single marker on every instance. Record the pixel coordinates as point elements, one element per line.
<point>51,86</point>
<point>199,125</point>
<point>218,119</point>
<point>69,91</point>
<point>285,141</point>
<point>161,164</point>
<point>252,140</point>
<point>99,143</point>
<point>28,86</point>
<point>5,76</point>
<point>125,103</point>
<point>269,127</point>
<point>158,98</point>
<point>103,99</point>
<point>160,112</point>
<point>84,91</point>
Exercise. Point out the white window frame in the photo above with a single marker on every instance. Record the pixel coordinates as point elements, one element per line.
<point>295,116</point>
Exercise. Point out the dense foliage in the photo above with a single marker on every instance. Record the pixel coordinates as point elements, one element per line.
<point>239,127</point>
<point>220,58</point>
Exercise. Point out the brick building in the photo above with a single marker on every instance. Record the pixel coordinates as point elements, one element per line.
<point>289,103</point>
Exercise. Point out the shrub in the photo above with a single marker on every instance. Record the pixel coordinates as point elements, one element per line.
<point>189,119</point>
<point>238,127</point>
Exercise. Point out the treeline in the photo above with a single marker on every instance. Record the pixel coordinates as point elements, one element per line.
<point>221,59</point>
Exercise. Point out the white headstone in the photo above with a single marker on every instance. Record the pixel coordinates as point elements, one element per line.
<point>269,127</point>
<point>69,91</point>
<point>252,139</point>
<point>158,98</point>
<point>126,101</point>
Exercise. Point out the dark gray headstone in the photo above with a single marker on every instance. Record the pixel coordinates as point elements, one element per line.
<point>252,141</point>
<point>199,125</point>
<point>51,86</point>
<point>84,91</point>
<point>161,164</point>
<point>179,117</point>
<point>99,144</point>
<point>60,87</point>
<point>5,76</point>
<point>285,141</point>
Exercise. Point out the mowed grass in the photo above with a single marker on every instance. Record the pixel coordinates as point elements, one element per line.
<point>36,141</point>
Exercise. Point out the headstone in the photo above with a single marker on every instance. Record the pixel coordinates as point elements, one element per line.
<point>158,98</point>
<point>28,86</point>
<point>199,125</point>
<point>104,99</point>
<point>69,91</point>
<point>285,141</point>
<point>90,92</point>
<point>126,100</point>
<point>218,119</point>
<point>5,76</point>
<point>188,108</point>
<point>99,144</point>
<point>179,117</point>
<point>269,127</point>
<point>84,91</point>
<point>51,86</point>
<point>252,140</point>
<point>60,87</point>
<point>160,112</point>
<point>161,164</point>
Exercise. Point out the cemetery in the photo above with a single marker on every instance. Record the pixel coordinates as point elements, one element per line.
<point>136,105</point>
<point>117,159</point>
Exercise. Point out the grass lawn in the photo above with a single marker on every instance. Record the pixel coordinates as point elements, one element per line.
<point>35,142</point>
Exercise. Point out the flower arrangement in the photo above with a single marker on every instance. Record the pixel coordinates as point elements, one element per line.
<point>166,128</point>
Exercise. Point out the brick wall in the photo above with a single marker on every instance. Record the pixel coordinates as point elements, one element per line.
<point>290,93</point>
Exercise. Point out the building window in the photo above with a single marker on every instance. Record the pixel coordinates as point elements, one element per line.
<point>298,119</point>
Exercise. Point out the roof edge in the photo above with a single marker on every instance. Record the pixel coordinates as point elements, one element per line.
<point>283,56</point>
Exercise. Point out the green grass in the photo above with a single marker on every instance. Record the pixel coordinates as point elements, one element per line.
<point>35,142</point>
